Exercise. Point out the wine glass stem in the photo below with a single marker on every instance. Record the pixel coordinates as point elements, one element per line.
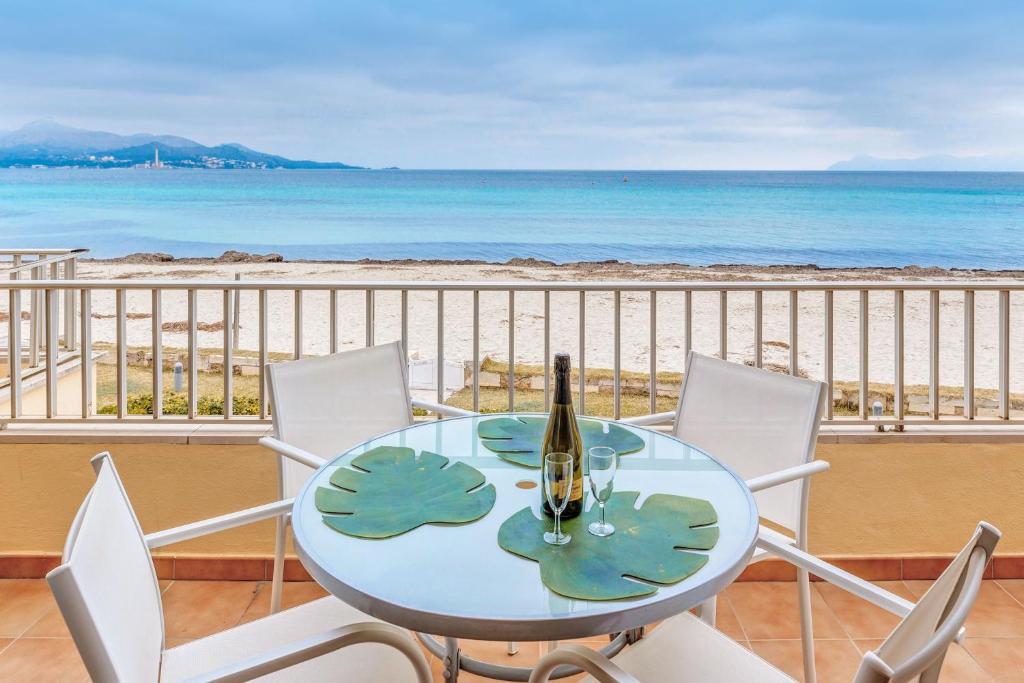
<point>558,525</point>
<point>600,504</point>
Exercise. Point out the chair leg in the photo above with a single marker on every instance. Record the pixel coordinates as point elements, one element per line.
<point>806,626</point>
<point>708,611</point>
<point>512,648</point>
<point>277,582</point>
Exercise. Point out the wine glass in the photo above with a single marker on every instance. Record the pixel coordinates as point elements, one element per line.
<point>603,463</point>
<point>557,488</point>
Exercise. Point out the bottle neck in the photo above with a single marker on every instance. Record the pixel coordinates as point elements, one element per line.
<point>563,392</point>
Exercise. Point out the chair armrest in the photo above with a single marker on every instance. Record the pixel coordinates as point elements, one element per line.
<point>787,475</point>
<point>836,576</point>
<point>321,644</point>
<point>231,520</point>
<point>440,409</point>
<point>655,419</point>
<point>594,663</point>
<point>293,452</point>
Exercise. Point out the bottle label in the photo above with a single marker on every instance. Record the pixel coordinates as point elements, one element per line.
<point>576,493</point>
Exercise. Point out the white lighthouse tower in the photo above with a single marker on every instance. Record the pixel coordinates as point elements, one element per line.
<point>156,157</point>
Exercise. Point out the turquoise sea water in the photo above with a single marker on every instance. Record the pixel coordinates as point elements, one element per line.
<point>969,220</point>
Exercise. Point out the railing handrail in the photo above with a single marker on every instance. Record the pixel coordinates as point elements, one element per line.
<point>528,285</point>
<point>41,252</point>
<point>25,266</point>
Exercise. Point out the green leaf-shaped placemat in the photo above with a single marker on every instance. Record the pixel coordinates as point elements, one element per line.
<point>646,544</point>
<point>391,491</point>
<point>518,439</point>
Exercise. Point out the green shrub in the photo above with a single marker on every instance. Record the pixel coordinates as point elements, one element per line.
<point>177,404</point>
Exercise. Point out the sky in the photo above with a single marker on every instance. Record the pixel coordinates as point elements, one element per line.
<point>552,84</point>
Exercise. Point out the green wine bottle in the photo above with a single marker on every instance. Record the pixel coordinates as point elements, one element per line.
<point>563,436</point>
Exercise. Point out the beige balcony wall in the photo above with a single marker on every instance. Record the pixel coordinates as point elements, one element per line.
<point>886,499</point>
<point>42,486</point>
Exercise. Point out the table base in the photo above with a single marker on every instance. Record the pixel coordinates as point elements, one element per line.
<point>454,661</point>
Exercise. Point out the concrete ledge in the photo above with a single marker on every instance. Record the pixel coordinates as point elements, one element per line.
<point>924,433</point>
<point>204,433</point>
<point>240,432</point>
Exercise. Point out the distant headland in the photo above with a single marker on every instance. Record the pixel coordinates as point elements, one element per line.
<point>47,144</point>
<point>934,162</point>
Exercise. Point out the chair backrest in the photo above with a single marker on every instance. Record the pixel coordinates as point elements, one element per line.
<point>107,588</point>
<point>328,404</point>
<point>756,422</point>
<point>917,647</point>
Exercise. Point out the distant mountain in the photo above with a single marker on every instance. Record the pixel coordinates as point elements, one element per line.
<point>935,162</point>
<point>50,144</point>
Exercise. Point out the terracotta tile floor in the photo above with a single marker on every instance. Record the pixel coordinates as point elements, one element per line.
<point>34,644</point>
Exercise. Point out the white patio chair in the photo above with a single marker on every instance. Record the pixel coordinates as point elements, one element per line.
<point>323,406</point>
<point>107,591</point>
<point>764,425</point>
<point>684,648</point>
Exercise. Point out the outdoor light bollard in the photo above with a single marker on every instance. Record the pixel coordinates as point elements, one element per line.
<point>179,377</point>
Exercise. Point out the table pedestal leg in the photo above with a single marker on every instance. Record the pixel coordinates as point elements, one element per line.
<point>451,660</point>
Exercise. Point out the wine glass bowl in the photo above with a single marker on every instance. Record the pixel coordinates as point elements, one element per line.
<point>603,462</point>
<point>557,489</point>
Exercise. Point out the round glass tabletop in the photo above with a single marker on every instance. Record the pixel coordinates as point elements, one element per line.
<point>456,581</point>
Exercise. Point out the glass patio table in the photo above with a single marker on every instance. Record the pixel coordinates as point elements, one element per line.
<point>454,581</point>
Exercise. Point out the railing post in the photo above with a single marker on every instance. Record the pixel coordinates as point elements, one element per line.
<point>52,351</point>
<point>511,350</point>
<point>582,365</point>
<point>52,300</point>
<point>898,343</point>
<point>476,350</point>
<point>1004,354</point>
<point>654,353</point>
<point>863,364</point>
<point>617,359</point>
<point>723,324</point>
<point>70,342</point>
<point>121,321</point>
<point>193,355</point>
<point>794,335</point>
<point>297,319</point>
<point>227,360</point>
<point>405,323</point>
<point>370,317</point>
<point>263,355</point>
<point>440,348</point>
<point>86,354</point>
<point>332,320</point>
<point>236,319</point>
<point>933,352</point>
<point>688,323</point>
<point>34,324</point>
<point>969,354</point>
<point>829,350</point>
<point>54,275</point>
<point>547,351</point>
<point>758,328</point>
<point>14,349</point>
<point>157,332</point>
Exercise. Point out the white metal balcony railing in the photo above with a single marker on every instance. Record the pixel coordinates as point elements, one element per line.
<point>56,300</point>
<point>47,264</point>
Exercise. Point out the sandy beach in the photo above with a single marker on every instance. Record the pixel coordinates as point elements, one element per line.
<point>564,307</point>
